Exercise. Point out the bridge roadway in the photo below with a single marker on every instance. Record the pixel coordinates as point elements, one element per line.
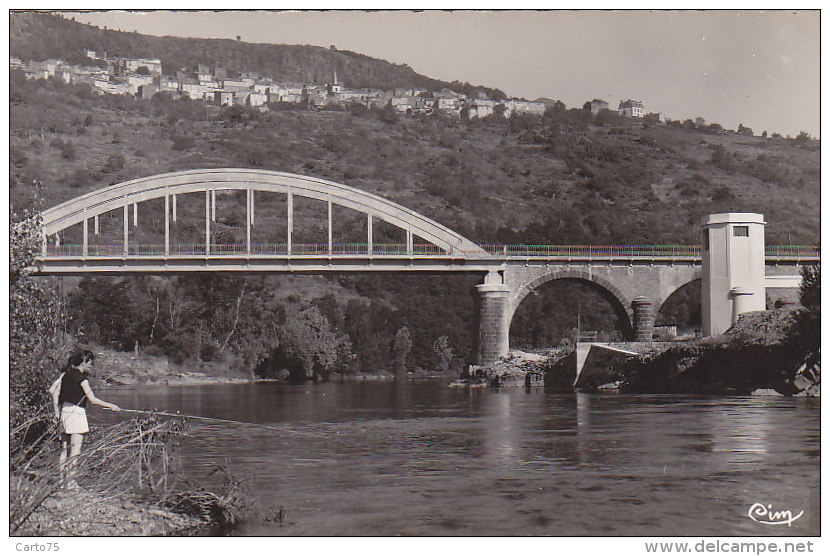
<point>360,257</point>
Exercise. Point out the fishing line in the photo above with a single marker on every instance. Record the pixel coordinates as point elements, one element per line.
<point>200,418</point>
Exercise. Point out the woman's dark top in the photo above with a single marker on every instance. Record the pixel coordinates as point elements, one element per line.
<point>71,390</point>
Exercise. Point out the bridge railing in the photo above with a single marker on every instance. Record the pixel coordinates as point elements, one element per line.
<point>797,252</point>
<point>116,249</point>
<point>687,252</point>
<point>582,251</point>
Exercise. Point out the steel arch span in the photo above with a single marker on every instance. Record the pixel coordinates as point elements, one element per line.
<point>123,194</point>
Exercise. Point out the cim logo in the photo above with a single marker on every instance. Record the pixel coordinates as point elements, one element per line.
<point>766,515</point>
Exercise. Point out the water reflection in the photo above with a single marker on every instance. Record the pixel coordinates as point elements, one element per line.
<point>420,458</point>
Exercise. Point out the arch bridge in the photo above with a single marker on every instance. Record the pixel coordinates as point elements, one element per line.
<point>637,279</point>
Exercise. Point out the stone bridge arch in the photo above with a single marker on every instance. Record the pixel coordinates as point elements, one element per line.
<point>620,302</point>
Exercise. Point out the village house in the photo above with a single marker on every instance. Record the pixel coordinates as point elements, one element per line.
<point>480,108</point>
<point>655,117</point>
<point>315,96</point>
<point>257,99</point>
<point>360,96</point>
<point>193,90</point>
<point>135,81</point>
<point>166,83</point>
<point>513,106</point>
<point>223,98</point>
<point>598,106</point>
<point>378,98</point>
<point>147,91</point>
<point>153,65</point>
<point>240,97</point>
<point>631,108</point>
<point>203,73</point>
<point>400,104</point>
<point>229,84</point>
<point>211,84</point>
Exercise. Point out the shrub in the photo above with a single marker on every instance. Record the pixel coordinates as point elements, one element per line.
<point>183,142</point>
<point>114,163</point>
<point>68,151</point>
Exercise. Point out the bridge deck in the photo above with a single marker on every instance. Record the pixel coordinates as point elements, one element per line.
<point>355,257</point>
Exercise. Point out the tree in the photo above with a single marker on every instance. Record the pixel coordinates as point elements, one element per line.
<point>802,138</point>
<point>401,349</point>
<point>443,353</point>
<point>142,70</point>
<point>35,315</point>
<point>743,130</point>
<point>804,334</point>
<point>309,344</point>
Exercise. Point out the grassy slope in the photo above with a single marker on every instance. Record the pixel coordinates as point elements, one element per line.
<point>532,182</point>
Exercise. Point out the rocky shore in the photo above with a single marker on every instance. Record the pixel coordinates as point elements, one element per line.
<point>754,357</point>
<point>517,368</point>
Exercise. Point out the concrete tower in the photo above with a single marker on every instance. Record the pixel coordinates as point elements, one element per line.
<point>732,249</point>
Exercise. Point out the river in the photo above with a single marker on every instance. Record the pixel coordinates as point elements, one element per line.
<point>421,458</point>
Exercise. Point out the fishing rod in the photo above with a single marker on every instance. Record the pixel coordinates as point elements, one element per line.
<point>200,418</point>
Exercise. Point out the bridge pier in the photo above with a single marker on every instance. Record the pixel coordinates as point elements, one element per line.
<point>643,318</point>
<point>493,324</point>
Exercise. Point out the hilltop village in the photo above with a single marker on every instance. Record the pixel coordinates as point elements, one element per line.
<point>143,77</point>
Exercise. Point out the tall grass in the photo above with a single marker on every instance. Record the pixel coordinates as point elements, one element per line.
<point>134,457</point>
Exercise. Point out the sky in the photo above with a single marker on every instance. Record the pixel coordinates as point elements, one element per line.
<point>757,68</point>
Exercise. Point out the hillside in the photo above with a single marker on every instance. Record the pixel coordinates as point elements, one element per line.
<point>68,40</point>
<point>558,179</point>
<point>562,178</point>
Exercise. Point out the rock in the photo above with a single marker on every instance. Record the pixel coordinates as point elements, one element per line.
<point>767,392</point>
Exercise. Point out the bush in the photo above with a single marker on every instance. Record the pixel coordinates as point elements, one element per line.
<point>183,142</point>
<point>114,163</point>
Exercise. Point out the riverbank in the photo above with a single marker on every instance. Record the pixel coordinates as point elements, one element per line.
<point>82,512</point>
<point>756,356</point>
<point>118,368</point>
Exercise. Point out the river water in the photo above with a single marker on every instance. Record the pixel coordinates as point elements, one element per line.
<point>421,458</point>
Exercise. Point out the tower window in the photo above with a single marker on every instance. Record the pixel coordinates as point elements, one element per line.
<point>740,231</point>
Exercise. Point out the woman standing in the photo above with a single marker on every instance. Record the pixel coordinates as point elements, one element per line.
<point>70,393</point>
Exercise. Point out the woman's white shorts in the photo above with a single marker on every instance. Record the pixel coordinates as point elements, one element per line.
<point>73,419</point>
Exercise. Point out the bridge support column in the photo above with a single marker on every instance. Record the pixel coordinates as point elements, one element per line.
<point>166,225</point>
<point>86,236</point>
<point>643,318</point>
<point>493,327</point>
<point>248,219</point>
<point>126,230</point>
<point>290,228</point>
<point>329,203</point>
<point>369,235</point>
<point>207,221</point>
